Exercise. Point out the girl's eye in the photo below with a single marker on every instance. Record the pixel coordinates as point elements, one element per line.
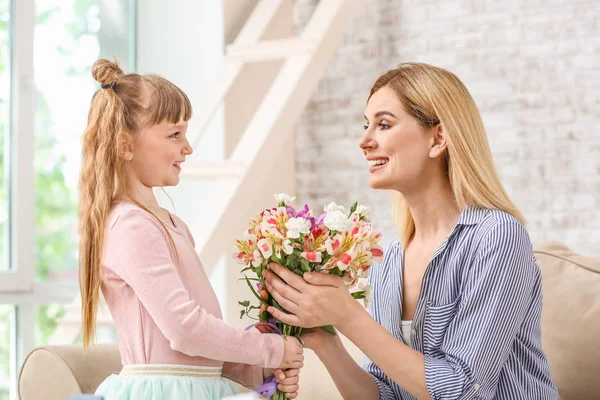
<point>175,135</point>
<point>365,127</point>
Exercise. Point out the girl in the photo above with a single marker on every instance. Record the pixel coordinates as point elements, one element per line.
<point>172,340</point>
<point>457,300</point>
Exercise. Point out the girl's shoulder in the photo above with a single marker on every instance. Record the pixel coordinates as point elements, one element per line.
<point>123,215</point>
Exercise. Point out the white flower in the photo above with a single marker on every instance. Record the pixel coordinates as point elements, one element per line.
<point>363,211</point>
<point>284,198</point>
<point>257,258</point>
<point>332,207</point>
<point>368,293</point>
<point>337,221</point>
<point>266,248</point>
<point>297,226</point>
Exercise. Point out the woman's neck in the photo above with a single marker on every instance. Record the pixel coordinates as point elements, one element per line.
<point>434,211</point>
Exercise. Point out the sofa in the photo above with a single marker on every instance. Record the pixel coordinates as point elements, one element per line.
<point>570,334</point>
<point>58,372</point>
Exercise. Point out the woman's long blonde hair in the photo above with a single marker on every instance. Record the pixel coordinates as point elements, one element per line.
<point>125,104</point>
<point>433,95</point>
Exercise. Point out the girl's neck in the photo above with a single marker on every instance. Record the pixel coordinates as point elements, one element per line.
<point>139,193</point>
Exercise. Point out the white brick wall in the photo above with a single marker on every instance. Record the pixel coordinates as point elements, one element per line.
<point>533,68</point>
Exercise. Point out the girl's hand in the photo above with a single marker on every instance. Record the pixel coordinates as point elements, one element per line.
<point>287,381</point>
<point>292,354</point>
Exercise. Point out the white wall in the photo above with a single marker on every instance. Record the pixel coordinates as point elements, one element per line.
<point>193,67</point>
<point>533,69</point>
<point>182,41</point>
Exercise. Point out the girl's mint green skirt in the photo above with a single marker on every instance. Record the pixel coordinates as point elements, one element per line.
<point>165,382</point>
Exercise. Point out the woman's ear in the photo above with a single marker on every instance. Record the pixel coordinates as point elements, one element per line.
<point>439,143</point>
<point>125,146</point>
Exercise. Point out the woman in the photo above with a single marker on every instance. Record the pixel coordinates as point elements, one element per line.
<point>457,303</point>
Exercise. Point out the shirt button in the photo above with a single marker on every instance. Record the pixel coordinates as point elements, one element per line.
<point>414,331</point>
<point>476,386</point>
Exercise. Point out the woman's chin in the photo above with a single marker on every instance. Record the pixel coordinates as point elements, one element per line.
<point>379,184</point>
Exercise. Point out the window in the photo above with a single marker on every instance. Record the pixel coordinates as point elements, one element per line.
<point>47,48</point>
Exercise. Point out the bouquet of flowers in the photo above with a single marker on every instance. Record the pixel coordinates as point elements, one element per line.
<point>336,242</point>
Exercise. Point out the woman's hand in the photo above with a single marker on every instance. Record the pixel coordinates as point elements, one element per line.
<point>318,299</point>
<point>317,339</point>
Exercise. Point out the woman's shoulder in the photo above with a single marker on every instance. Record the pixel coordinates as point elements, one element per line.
<point>501,236</point>
<point>498,225</point>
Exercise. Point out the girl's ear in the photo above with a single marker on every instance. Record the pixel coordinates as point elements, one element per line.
<point>125,146</point>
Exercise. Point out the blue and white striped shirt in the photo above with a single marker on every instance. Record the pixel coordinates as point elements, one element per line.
<point>478,317</point>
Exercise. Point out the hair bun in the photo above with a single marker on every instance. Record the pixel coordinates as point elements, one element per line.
<point>106,72</point>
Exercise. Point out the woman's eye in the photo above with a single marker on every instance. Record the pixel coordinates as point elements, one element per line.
<point>175,135</point>
<point>384,126</point>
<point>365,127</point>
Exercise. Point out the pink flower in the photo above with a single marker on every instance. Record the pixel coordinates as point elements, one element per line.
<point>377,252</point>
<point>245,250</point>
<point>340,249</point>
<point>312,256</point>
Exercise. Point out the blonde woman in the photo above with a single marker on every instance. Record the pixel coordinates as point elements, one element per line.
<point>457,300</point>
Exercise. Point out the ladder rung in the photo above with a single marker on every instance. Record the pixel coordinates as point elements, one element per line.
<point>213,170</point>
<point>269,50</point>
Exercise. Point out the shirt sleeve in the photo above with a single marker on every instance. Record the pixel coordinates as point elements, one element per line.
<point>496,294</point>
<point>385,390</point>
<point>138,251</point>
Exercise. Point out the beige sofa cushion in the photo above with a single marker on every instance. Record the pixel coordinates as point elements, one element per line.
<point>57,372</point>
<point>571,319</point>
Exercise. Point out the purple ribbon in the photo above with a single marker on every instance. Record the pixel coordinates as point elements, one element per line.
<point>268,388</point>
<point>266,324</point>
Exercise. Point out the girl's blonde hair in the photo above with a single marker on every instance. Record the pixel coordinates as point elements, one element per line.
<point>123,106</point>
<point>433,95</point>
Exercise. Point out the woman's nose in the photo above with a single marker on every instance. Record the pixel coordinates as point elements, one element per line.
<point>367,142</point>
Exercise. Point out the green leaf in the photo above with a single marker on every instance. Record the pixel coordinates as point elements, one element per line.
<point>298,272</point>
<point>354,207</point>
<point>44,16</point>
<point>359,295</point>
<point>244,303</point>
<point>291,261</point>
<point>305,265</point>
<point>242,313</point>
<point>277,260</point>
<point>329,329</point>
<point>263,316</point>
<point>254,291</point>
<point>278,306</point>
